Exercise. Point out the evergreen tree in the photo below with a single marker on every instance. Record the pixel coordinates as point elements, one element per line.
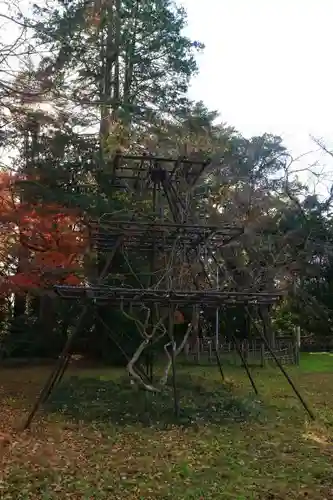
<point>119,58</point>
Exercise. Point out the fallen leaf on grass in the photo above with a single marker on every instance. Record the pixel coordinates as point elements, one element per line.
<point>4,440</point>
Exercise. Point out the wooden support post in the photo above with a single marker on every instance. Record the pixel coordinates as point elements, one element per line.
<point>198,347</point>
<point>297,344</point>
<point>173,360</point>
<point>210,352</point>
<point>246,350</point>
<point>268,330</point>
<point>262,355</point>
<point>195,326</point>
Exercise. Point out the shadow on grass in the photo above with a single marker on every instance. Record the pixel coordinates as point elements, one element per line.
<point>116,402</point>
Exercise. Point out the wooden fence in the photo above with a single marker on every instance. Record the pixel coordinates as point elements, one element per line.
<point>254,351</point>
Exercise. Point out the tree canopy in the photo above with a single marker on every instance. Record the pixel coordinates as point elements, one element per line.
<point>83,81</point>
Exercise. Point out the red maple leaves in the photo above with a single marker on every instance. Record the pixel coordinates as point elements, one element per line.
<point>39,245</point>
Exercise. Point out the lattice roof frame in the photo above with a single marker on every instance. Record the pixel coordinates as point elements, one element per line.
<point>139,296</point>
<point>145,235</point>
<point>123,166</point>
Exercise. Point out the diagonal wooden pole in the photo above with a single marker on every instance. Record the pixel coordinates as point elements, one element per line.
<point>63,360</point>
<point>218,360</point>
<point>246,366</point>
<point>60,367</point>
<point>283,371</point>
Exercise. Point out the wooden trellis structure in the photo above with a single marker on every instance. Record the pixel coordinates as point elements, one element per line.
<point>174,245</point>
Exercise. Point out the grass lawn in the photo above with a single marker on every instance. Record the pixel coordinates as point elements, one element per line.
<point>98,438</point>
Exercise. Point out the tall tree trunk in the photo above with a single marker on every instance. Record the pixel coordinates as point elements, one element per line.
<point>129,60</point>
<point>110,102</point>
<point>116,79</point>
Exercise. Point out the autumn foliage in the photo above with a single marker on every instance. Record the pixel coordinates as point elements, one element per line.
<point>39,245</point>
